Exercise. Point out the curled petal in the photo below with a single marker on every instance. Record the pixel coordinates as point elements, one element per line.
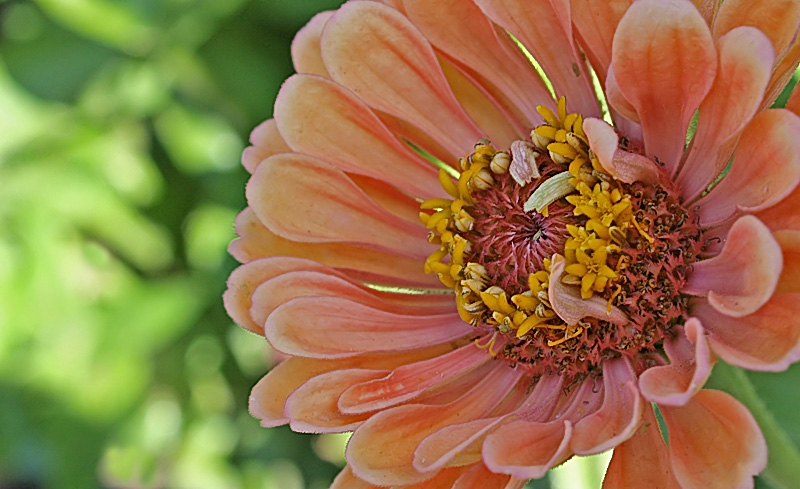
<point>480,477</point>
<point>306,53</point>
<point>739,451</point>
<point>527,450</point>
<point>778,19</point>
<point>765,168</point>
<point>768,339</point>
<point>620,164</point>
<point>789,240</point>
<point>377,53</point>
<point>568,304</point>
<point>689,368</point>
<point>266,141</point>
<point>744,275</point>
<point>347,480</point>
<point>617,418</point>
<point>664,63</point>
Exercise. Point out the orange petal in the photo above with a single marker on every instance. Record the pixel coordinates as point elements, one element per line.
<point>527,450</point>
<point>323,119</point>
<point>782,73</point>
<point>743,276</point>
<point>765,168</point>
<point>569,305</point>
<point>689,368</point>
<point>266,141</point>
<point>306,54</point>
<point>745,64</point>
<point>376,52</point>
<point>444,479</point>
<point>312,407</point>
<point>793,103</point>
<point>347,480</point>
<point>783,215</point>
<point>381,450</point>
<point>790,245</point>
<point>452,26</point>
<point>305,199</point>
<point>550,43</point>
<point>778,19</point>
<point>768,339</point>
<point>597,22</point>
<point>364,264</point>
<point>664,64</point>
<point>332,327</point>
<point>480,477</point>
<point>617,418</point>
<point>409,381</point>
<point>642,461</point>
<point>622,165</point>
<point>737,451</point>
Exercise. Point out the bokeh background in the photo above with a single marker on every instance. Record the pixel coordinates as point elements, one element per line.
<point>121,128</point>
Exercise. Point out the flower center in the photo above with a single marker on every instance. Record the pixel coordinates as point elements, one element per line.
<point>627,247</point>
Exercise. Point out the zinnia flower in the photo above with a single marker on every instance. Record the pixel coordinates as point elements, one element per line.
<point>482,279</point>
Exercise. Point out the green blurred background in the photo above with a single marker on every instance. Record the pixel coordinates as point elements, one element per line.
<point>121,128</point>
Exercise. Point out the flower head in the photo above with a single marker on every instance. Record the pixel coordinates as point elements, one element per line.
<point>482,280</point>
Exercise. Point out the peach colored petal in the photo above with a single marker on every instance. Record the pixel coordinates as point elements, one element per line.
<point>312,407</point>
<point>333,327</point>
<point>782,73</point>
<point>778,19</point>
<point>745,65</point>
<point>620,164</point>
<point>642,461</point>
<point>708,9</point>
<point>793,103</point>
<point>326,283</point>
<point>783,215</point>
<point>569,305</point>
<point>596,23</point>
<point>306,55</point>
<point>266,141</point>
<point>381,450</point>
<point>305,199</point>
<point>369,265</point>
<point>495,119</point>
<point>743,276</point>
<point>389,197</point>
<point>246,278</point>
<point>616,99</point>
<point>689,368</point>
<point>790,245</point>
<point>451,26</point>
<point>738,451</point>
<point>409,381</point>
<point>551,45</point>
<point>765,168</point>
<point>347,480</point>
<point>618,417</point>
<point>480,477</point>
<point>768,339</point>
<point>664,64</point>
<point>376,52</point>
<point>444,479</point>
<point>323,119</point>
<point>269,395</point>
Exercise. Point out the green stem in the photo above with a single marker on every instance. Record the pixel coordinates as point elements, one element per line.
<point>783,468</point>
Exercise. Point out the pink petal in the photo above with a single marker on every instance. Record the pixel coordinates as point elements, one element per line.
<point>370,265</point>
<point>790,245</point>
<point>312,407</point>
<point>551,45</point>
<point>765,168</point>
<point>768,339</point>
<point>738,451</point>
<point>568,304</point>
<point>305,199</point>
<point>323,119</point>
<point>382,449</point>
<point>793,103</point>
<point>444,479</point>
<point>376,52</point>
<point>479,477</point>
<point>641,461</point>
<point>689,368</point>
<point>617,418</point>
<point>616,99</point>
<point>745,65</point>
<point>306,55</point>
<point>409,381</point>
<point>596,22</point>
<point>450,25</point>
<point>622,165</point>
<point>266,141</point>
<point>347,480</point>
<point>664,64</point>
<point>334,328</point>
<point>778,19</point>
<point>389,197</point>
<point>782,74</point>
<point>743,276</point>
